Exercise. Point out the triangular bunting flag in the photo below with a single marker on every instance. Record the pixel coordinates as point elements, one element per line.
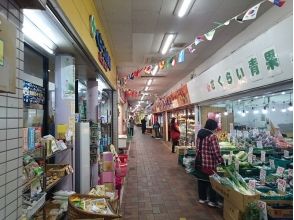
<point>227,22</point>
<point>251,13</point>
<point>199,39</point>
<point>173,62</point>
<point>161,64</point>
<point>278,3</point>
<point>238,19</point>
<point>209,35</point>
<point>191,49</point>
<point>168,62</point>
<point>148,69</point>
<point>181,57</point>
<point>137,72</point>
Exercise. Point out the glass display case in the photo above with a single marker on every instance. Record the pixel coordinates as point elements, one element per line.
<point>186,121</point>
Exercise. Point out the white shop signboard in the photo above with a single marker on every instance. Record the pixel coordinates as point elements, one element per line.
<point>263,61</point>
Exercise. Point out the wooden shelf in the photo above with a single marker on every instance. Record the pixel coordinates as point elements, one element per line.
<point>49,187</point>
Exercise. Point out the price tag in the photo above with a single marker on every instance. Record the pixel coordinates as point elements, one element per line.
<point>262,175</point>
<point>239,133</point>
<point>255,132</point>
<point>282,185</point>
<point>262,206</point>
<point>290,172</point>
<point>250,158</point>
<point>237,165</point>
<point>250,150</point>
<point>259,144</point>
<point>272,164</point>
<point>262,157</point>
<point>252,184</point>
<point>280,170</point>
<point>246,134</point>
<point>286,153</point>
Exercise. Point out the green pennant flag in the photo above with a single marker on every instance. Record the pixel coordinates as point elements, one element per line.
<point>169,62</point>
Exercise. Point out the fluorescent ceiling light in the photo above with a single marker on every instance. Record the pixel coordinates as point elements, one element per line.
<point>149,82</point>
<point>154,71</point>
<point>185,7</point>
<point>167,41</point>
<point>146,88</point>
<point>37,32</point>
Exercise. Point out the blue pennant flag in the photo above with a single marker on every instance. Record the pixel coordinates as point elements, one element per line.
<point>181,57</point>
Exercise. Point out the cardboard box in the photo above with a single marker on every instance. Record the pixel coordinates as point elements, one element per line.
<point>109,187</point>
<point>239,200</point>
<point>107,166</point>
<point>275,212</point>
<point>230,212</point>
<point>180,150</point>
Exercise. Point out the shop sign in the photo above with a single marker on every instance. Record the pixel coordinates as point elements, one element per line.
<point>262,61</point>
<point>176,99</point>
<point>103,55</point>
<point>33,93</point>
<point>238,75</point>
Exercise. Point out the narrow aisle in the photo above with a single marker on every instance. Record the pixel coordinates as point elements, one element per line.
<point>157,187</point>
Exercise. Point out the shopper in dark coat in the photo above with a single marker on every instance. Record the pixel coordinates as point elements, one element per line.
<point>174,133</point>
<point>143,123</point>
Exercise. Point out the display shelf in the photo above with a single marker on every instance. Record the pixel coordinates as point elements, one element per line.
<point>33,210</point>
<point>57,152</point>
<point>29,182</point>
<point>49,187</point>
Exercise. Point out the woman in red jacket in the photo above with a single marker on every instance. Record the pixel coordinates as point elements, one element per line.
<point>207,158</point>
<point>174,133</point>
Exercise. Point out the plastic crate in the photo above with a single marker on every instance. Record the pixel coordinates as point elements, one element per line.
<point>281,162</point>
<point>31,210</point>
<point>180,160</point>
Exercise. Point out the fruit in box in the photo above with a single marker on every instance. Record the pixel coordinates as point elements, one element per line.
<point>222,136</point>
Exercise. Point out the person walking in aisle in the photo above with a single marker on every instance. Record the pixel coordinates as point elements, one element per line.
<point>156,127</point>
<point>143,123</point>
<point>208,156</point>
<point>174,133</point>
<point>131,126</point>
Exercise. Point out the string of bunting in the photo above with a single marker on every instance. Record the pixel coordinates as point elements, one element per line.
<point>136,93</point>
<point>179,57</point>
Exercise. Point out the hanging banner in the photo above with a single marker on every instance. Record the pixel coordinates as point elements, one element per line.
<point>263,61</point>
<point>68,78</point>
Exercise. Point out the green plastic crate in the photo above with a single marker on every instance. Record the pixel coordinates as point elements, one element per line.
<point>180,160</point>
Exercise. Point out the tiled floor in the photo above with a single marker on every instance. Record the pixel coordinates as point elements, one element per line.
<point>158,188</point>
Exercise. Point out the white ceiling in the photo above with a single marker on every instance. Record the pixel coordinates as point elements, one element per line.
<point>136,29</point>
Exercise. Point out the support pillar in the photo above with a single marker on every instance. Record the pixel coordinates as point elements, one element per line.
<point>92,114</point>
<point>65,109</point>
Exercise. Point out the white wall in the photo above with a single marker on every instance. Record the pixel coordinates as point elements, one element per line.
<point>262,24</point>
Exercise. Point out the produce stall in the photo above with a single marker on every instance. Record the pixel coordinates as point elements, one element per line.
<point>255,137</point>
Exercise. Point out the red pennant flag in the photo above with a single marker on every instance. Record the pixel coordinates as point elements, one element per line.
<point>137,72</point>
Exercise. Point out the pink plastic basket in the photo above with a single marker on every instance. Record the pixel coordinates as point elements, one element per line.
<point>123,158</point>
<point>121,169</point>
